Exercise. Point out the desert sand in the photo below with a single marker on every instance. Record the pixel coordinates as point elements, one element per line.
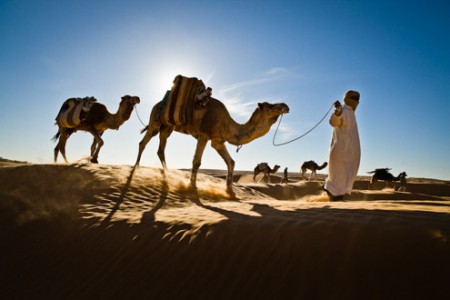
<point>86,231</point>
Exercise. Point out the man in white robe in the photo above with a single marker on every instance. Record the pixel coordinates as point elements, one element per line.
<point>345,150</point>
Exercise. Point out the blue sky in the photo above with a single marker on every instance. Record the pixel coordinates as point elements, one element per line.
<point>303,53</point>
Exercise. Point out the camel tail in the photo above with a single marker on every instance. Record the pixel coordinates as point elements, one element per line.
<point>144,130</point>
<point>55,138</point>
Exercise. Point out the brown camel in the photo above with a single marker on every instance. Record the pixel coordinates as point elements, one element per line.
<point>384,175</point>
<point>212,122</point>
<point>96,120</point>
<point>313,167</point>
<point>265,169</point>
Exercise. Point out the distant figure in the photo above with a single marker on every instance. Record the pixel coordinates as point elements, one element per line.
<point>345,149</point>
<point>313,167</point>
<point>285,176</point>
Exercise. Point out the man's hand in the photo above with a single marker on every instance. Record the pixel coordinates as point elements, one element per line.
<point>338,108</point>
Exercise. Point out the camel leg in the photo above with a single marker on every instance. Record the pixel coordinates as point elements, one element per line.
<point>303,174</point>
<point>164,134</point>
<point>98,139</point>
<point>223,152</point>
<point>93,147</point>
<point>149,134</point>
<point>61,146</point>
<point>197,161</point>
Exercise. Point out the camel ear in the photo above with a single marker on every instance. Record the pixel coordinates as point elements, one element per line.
<point>126,97</point>
<point>263,104</point>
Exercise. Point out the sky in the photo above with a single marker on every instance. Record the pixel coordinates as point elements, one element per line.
<point>306,54</point>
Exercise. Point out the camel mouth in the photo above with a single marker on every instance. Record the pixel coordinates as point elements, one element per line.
<point>285,110</point>
<point>136,100</point>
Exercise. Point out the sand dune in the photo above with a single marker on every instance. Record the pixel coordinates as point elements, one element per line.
<point>114,232</point>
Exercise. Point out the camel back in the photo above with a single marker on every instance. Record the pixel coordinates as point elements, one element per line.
<point>72,111</point>
<point>182,100</point>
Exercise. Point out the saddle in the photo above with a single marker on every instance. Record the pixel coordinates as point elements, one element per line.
<point>74,111</point>
<point>186,95</point>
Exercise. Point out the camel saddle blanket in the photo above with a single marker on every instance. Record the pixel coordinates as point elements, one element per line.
<point>187,94</point>
<point>73,111</point>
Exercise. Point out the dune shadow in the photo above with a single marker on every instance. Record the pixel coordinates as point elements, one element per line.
<point>119,201</point>
<point>229,214</point>
<point>149,216</point>
<point>193,196</point>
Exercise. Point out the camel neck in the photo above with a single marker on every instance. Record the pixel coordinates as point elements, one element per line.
<point>245,133</point>
<point>114,121</point>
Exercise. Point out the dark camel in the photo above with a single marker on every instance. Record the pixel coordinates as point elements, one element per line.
<point>95,121</point>
<point>213,123</point>
<point>265,169</point>
<point>383,174</point>
<point>313,167</point>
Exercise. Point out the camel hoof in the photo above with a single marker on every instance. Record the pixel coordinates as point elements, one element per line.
<point>193,187</point>
<point>232,195</point>
<point>94,161</point>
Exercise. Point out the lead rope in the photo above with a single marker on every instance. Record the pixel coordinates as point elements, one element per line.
<point>135,109</point>
<point>314,127</point>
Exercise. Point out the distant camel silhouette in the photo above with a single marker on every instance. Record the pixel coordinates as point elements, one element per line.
<point>383,175</point>
<point>313,167</point>
<point>265,169</point>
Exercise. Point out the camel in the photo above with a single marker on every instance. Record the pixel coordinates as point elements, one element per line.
<point>212,122</point>
<point>384,175</point>
<point>313,167</point>
<point>95,121</point>
<point>265,169</point>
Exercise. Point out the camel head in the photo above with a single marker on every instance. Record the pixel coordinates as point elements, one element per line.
<point>275,168</point>
<point>127,104</point>
<point>271,112</point>
<point>402,174</point>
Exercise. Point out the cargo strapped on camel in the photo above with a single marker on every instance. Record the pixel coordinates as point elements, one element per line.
<point>186,95</point>
<point>74,110</point>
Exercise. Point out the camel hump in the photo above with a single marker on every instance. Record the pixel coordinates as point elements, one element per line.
<point>262,165</point>
<point>379,170</point>
<point>308,163</point>
<point>74,110</point>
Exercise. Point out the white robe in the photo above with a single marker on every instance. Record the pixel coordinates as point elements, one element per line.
<point>345,153</point>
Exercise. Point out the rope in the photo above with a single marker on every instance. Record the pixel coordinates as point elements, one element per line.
<point>135,109</point>
<point>314,127</point>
